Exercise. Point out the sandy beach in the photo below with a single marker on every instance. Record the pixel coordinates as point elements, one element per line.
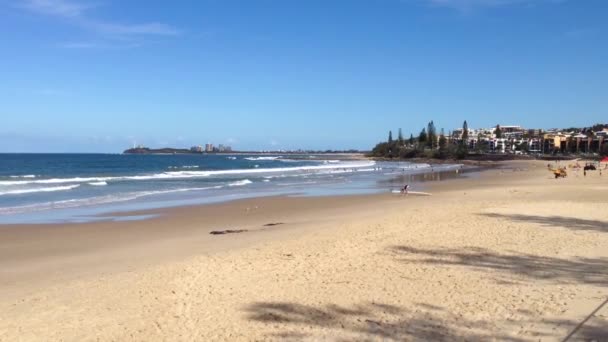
<point>509,254</point>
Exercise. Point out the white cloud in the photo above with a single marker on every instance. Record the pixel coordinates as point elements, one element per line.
<point>55,7</point>
<point>100,45</point>
<point>79,14</point>
<point>133,29</point>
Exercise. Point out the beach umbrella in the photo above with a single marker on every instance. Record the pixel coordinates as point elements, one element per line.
<point>605,160</point>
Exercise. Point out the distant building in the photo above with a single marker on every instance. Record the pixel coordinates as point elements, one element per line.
<point>223,148</point>
<point>196,148</point>
<point>208,147</point>
<point>603,133</point>
<point>535,145</point>
<point>516,139</point>
<point>535,133</point>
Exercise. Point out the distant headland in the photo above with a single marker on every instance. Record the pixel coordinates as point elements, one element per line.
<point>145,150</point>
<point>171,150</point>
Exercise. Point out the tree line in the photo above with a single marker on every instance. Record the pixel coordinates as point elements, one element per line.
<point>431,144</point>
<point>428,144</point>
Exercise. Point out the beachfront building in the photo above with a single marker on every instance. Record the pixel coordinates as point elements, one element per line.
<point>535,145</point>
<point>516,139</point>
<point>496,145</point>
<point>509,129</point>
<point>197,148</point>
<point>208,147</point>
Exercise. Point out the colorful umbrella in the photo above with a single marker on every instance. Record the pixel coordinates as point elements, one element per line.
<point>605,160</point>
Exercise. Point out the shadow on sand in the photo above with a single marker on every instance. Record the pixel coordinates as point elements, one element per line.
<point>370,321</point>
<point>374,321</point>
<point>576,270</point>
<point>556,221</point>
<point>593,271</point>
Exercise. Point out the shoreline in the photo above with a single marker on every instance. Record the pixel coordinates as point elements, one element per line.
<point>115,211</point>
<point>118,241</point>
<point>511,253</point>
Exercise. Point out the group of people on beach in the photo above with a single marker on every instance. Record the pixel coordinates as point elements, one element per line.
<point>560,171</point>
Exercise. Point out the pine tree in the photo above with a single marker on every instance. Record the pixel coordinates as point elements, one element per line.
<point>431,134</point>
<point>463,147</point>
<point>390,138</point>
<point>498,132</point>
<point>400,138</point>
<point>442,141</point>
<point>411,139</point>
<point>422,137</point>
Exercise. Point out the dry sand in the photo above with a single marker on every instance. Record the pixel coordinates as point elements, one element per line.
<point>510,255</point>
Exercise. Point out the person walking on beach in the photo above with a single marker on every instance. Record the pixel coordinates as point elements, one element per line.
<point>405,188</point>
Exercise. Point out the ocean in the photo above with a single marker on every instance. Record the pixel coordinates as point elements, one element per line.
<point>53,188</point>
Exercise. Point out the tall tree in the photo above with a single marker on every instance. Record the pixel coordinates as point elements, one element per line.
<point>400,138</point>
<point>390,138</point>
<point>411,139</point>
<point>465,132</point>
<point>498,132</point>
<point>463,147</point>
<point>431,134</point>
<point>442,141</point>
<point>422,137</point>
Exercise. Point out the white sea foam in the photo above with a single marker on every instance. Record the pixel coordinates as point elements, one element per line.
<point>49,189</point>
<point>324,168</point>
<point>184,167</point>
<point>98,183</point>
<point>24,176</point>
<point>297,160</point>
<point>262,158</point>
<point>91,201</point>
<point>241,182</point>
<point>231,158</point>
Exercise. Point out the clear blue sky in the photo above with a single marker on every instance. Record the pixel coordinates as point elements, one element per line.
<point>96,75</point>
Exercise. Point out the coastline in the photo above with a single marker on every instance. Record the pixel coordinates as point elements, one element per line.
<point>353,267</point>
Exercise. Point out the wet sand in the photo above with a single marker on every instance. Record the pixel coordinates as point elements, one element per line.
<point>511,254</point>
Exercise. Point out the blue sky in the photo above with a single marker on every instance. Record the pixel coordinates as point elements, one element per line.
<point>98,75</point>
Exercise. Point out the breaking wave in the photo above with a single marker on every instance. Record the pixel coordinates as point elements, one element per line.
<point>28,191</point>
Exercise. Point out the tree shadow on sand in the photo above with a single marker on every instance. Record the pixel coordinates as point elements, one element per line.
<point>424,322</point>
<point>555,221</point>
<point>593,330</point>
<point>366,322</point>
<point>592,271</point>
<point>575,270</point>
